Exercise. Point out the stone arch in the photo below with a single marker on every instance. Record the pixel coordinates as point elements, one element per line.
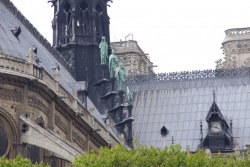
<point>82,17</point>
<point>8,130</point>
<point>101,5</point>
<point>65,17</point>
<point>99,13</point>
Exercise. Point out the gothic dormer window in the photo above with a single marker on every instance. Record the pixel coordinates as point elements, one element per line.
<point>219,137</point>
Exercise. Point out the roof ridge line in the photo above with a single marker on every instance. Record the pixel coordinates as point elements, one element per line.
<point>13,9</point>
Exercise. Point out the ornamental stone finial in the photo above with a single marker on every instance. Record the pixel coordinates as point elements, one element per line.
<point>31,56</point>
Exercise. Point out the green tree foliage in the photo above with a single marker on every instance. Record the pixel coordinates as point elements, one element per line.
<point>18,162</point>
<point>143,156</point>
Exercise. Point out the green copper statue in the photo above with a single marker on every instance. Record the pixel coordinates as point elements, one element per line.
<point>103,51</point>
<point>121,76</point>
<point>113,60</point>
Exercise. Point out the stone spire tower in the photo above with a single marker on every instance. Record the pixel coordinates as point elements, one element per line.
<point>78,26</point>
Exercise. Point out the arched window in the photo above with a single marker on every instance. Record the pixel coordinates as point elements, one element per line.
<point>82,18</point>
<point>3,142</point>
<point>67,20</point>
<point>98,22</point>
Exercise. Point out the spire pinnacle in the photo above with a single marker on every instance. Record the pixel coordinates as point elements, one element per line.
<point>214,95</point>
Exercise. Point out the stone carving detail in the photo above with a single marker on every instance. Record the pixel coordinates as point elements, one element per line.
<point>13,95</point>
<point>61,124</point>
<point>186,75</point>
<point>36,103</point>
<point>40,122</point>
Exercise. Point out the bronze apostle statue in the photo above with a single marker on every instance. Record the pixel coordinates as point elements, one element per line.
<point>121,75</point>
<point>113,60</point>
<point>103,50</point>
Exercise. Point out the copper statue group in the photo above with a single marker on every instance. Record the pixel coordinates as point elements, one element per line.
<point>116,66</point>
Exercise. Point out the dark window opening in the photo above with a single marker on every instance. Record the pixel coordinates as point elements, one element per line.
<point>39,121</point>
<point>99,9</point>
<point>3,142</point>
<point>164,131</point>
<point>34,154</point>
<point>84,6</point>
<point>66,26</point>
<point>41,124</point>
<point>66,7</point>
<point>16,31</point>
<point>55,162</point>
<point>82,19</point>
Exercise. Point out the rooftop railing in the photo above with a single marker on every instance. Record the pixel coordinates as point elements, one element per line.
<point>190,75</point>
<point>237,31</point>
<point>19,67</point>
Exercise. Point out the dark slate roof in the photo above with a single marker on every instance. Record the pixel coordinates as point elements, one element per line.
<point>29,37</point>
<point>181,102</point>
<point>19,47</point>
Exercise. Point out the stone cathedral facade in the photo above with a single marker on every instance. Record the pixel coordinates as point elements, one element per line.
<point>58,101</point>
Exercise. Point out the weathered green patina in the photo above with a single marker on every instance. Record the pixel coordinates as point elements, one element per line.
<point>103,51</point>
<point>121,75</point>
<point>113,60</point>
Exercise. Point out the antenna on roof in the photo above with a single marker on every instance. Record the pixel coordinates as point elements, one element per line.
<point>132,36</point>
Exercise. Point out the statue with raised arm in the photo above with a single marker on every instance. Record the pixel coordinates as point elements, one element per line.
<point>120,75</point>
<point>113,60</point>
<point>103,50</point>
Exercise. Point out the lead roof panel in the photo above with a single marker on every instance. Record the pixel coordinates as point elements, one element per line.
<point>181,109</point>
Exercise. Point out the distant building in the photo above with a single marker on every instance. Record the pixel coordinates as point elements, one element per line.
<point>236,48</point>
<point>136,61</point>
<point>200,109</point>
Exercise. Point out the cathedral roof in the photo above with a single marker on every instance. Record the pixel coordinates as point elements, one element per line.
<point>29,37</point>
<point>181,101</point>
<point>18,45</point>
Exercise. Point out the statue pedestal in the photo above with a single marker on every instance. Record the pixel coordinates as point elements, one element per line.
<point>120,97</point>
<point>113,84</point>
<point>104,71</point>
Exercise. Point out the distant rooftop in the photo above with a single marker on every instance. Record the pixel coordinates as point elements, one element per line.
<point>236,34</point>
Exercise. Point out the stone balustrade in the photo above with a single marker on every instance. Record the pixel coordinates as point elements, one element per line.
<point>19,67</point>
<point>237,34</point>
<point>126,46</point>
<point>237,31</point>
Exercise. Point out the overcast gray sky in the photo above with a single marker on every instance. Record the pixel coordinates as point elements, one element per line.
<point>178,35</point>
